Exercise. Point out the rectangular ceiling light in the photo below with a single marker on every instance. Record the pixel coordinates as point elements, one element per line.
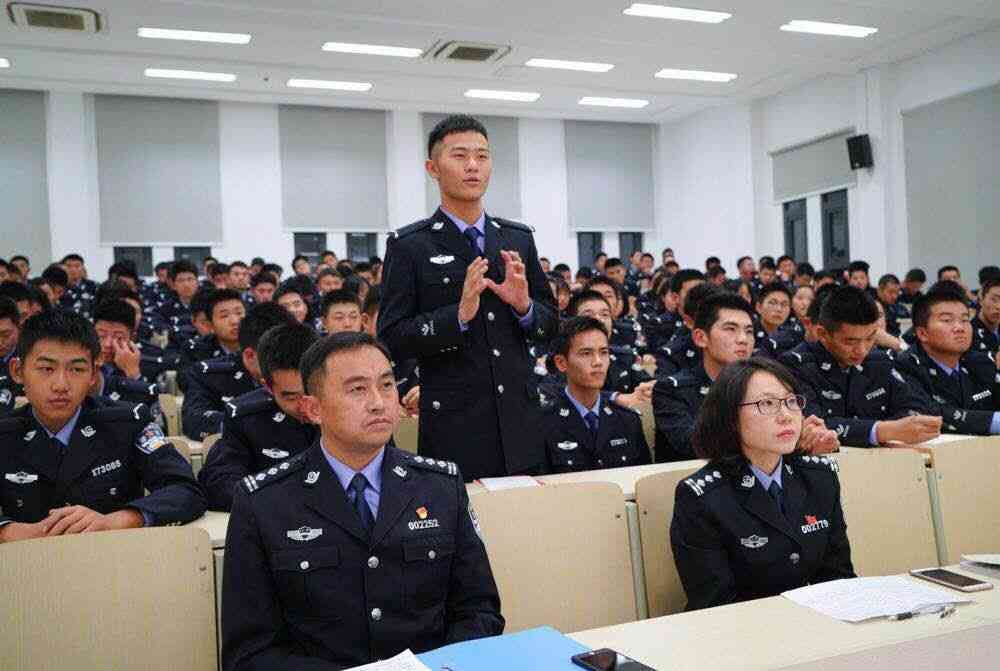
<point>821,28</point>
<point>696,75</point>
<point>373,49</point>
<point>676,13</point>
<point>582,66</point>
<point>194,36</point>
<point>515,96</point>
<point>4,63</point>
<point>634,103</point>
<point>160,73</point>
<point>359,87</point>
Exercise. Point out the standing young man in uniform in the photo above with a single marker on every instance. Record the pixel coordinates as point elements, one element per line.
<point>464,291</point>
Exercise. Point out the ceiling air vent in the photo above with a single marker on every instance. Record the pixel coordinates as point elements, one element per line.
<point>52,17</point>
<point>471,52</point>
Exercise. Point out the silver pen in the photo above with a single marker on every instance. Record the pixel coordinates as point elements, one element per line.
<point>942,610</point>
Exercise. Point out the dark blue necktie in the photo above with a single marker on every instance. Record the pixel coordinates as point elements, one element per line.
<point>358,484</point>
<point>591,419</point>
<point>472,234</point>
<point>778,495</point>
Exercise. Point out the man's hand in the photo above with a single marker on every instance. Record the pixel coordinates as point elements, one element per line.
<point>642,394</point>
<point>18,531</point>
<point>514,290</point>
<point>911,430</point>
<point>127,357</point>
<point>411,402</point>
<point>816,438</point>
<point>475,284</point>
<point>77,519</point>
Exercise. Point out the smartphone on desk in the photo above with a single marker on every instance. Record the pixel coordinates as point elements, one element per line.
<point>962,583</point>
<point>607,659</point>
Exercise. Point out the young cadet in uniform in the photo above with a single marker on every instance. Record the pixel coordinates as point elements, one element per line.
<point>407,372</point>
<point>463,293</point>
<point>183,285</point>
<point>119,374</point>
<point>584,430</point>
<point>213,383</point>
<point>223,310</point>
<point>857,392</point>
<point>888,298</point>
<point>986,325</point>
<point>10,329</point>
<point>959,384</point>
<point>625,331</point>
<point>72,463</point>
<point>262,288</point>
<point>758,519</point>
<point>352,550</point>
<point>913,282</point>
<point>340,311</point>
<point>266,426</point>
<point>775,332</point>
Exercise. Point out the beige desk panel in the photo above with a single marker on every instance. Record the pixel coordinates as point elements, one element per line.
<point>625,478</point>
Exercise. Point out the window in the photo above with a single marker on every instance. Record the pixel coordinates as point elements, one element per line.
<point>796,244</point>
<point>310,245</point>
<point>628,243</point>
<point>142,257</point>
<point>361,246</point>
<point>588,245</point>
<point>195,255</point>
<point>836,242</point>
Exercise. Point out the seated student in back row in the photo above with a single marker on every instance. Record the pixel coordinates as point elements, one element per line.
<point>74,463</point>
<point>759,519</point>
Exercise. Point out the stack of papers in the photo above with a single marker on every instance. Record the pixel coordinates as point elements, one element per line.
<point>510,482</point>
<point>404,661</point>
<point>984,565</point>
<point>860,599</point>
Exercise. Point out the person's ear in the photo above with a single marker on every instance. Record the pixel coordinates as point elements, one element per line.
<point>431,167</point>
<point>17,370</point>
<point>311,409</point>
<point>921,333</point>
<point>700,338</point>
<point>561,362</point>
<point>249,358</point>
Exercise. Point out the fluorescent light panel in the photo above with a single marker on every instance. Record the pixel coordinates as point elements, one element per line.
<point>696,75</point>
<point>515,96</point>
<point>359,87</point>
<point>821,28</point>
<point>676,13</point>
<point>161,73</point>
<point>373,49</point>
<point>4,63</point>
<point>194,36</point>
<point>583,66</point>
<point>597,101</point>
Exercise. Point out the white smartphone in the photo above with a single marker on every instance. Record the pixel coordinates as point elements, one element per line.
<point>962,583</point>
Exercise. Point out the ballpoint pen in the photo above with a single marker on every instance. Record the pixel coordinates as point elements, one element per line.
<point>943,611</point>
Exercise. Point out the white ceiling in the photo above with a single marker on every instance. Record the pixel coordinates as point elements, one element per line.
<point>287,35</point>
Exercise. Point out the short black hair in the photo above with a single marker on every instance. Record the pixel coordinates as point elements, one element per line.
<point>697,296</point>
<point>299,257</point>
<point>599,255</point>
<point>116,311</point>
<point>115,289</point>
<point>581,297</point>
<point>19,257</point>
<point>944,269</point>
<point>715,271</point>
<point>238,264</point>
<point>858,266</point>
<point>182,266</point>
<point>362,267</point>
<point>217,269</point>
<point>805,269</point>
<point>821,295</point>
<point>944,291</point>
<point>767,258</point>
<point>372,300</point>
<point>313,366</point>
<point>825,274</point>
<point>586,272</point>
<point>572,327</point>
<point>354,283</point>
<point>455,123</point>
<point>36,294</point>
<point>712,261</point>
<point>272,268</point>
<point>766,263</point>
<point>259,319</point>
<point>647,255</point>
<point>847,305</point>
<point>72,257</point>
<point>14,291</point>
<point>783,258</point>
<point>263,278</point>
<point>886,280</point>
<point>739,261</point>
<point>257,261</point>
<point>327,272</point>
<point>916,275</point>
<point>337,297</point>
<point>55,275</point>
<point>220,296</point>
<point>773,288</point>
<point>608,282</point>
<point>717,430</point>
<point>708,312</point>
<point>8,310</point>
<point>62,326</point>
<point>681,277</point>
<point>612,262</point>
<point>987,272</point>
<point>199,302</point>
<point>282,347</point>
<point>328,252</point>
<point>123,269</point>
<point>162,265</point>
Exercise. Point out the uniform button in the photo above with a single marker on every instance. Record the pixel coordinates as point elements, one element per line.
<point>447,280</point>
<point>432,555</point>
<point>490,316</point>
<point>304,565</point>
<point>436,405</point>
<point>376,614</point>
<point>496,352</point>
<point>794,557</point>
<point>500,388</point>
<point>373,562</point>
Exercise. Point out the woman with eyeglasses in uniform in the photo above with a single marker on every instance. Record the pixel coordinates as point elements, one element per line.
<point>761,518</point>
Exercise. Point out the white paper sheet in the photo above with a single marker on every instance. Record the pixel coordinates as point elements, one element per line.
<point>860,599</point>
<point>510,482</point>
<point>404,661</point>
<point>992,560</point>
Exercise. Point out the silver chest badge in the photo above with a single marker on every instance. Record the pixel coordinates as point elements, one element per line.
<point>441,260</point>
<point>279,417</point>
<point>747,481</point>
<point>400,471</point>
<point>21,478</point>
<point>274,454</point>
<point>87,431</point>
<point>754,542</point>
<point>563,412</point>
<point>567,445</point>
<point>304,534</point>
<point>312,477</point>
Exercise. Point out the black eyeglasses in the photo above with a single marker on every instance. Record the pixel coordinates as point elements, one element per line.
<point>771,406</point>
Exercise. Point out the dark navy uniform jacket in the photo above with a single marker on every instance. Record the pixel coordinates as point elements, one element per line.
<point>572,447</point>
<point>732,543</point>
<point>9,391</point>
<point>788,336</point>
<point>477,400</point>
<point>201,348</point>
<point>212,384</point>
<point>983,339</point>
<point>678,354</point>
<point>118,387</point>
<point>676,401</point>
<point>305,587</point>
<point>116,453</point>
<point>256,435</point>
<point>626,332</point>
<point>658,327</point>
<point>966,400</point>
<point>851,401</point>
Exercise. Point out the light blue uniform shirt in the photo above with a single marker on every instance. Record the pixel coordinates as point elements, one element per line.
<point>581,408</point>
<point>766,479</point>
<point>372,472</point>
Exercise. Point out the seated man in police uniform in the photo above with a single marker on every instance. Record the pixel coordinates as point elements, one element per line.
<point>72,463</point>
<point>340,311</point>
<point>265,426</point>
<point>986,325</point>
<point>213,383</point>
<point>119,375</point>
<point>959,384</point>
<point>776,332</point>
<point>352,550</point>
<point>858,393</point>
<point>584,430</point>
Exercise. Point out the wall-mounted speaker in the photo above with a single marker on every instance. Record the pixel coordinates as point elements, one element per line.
<point>859,148</point>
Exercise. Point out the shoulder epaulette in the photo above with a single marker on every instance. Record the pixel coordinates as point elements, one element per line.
<point>427,464</point>
<point>220,365</point>
<point>112,411</point>
<point>703,481</point>
<point>10,426</point>
<point>513,224</point>
<point>821,463</point>
<point>251,403</point>
<point>252,483</point>
<point>412,228</point>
